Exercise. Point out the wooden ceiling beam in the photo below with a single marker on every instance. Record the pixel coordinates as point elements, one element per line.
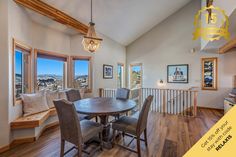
<point>228,46</point>
<point>54,14</point>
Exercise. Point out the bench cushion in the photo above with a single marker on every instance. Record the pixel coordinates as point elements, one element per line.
<point>50,96</point>
<point>34,103</point>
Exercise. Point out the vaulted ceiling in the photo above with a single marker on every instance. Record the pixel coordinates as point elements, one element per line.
<point>122,20</point>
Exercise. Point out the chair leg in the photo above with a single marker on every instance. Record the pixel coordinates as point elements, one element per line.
<point>96,118</point>
<point>145,137</point>
<point>101,141</point>
<point>79,151</point>
<point>113,137</point>
<point>138,146</point>
<point>62,148</point>
<point>117,116</point>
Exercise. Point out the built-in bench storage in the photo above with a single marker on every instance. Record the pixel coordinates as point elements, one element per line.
<point>32,123</point>
<point>29,128</point>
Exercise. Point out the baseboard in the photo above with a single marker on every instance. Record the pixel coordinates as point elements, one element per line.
<point>16,142</point>
<point>19,141</point>
<point>210,108</point>
<point>4,148</point>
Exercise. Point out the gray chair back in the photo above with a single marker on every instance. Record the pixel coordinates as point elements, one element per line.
<point>69,122</point>
<point>73,95</point>
<point>143,116</point>
<point>122,93</point>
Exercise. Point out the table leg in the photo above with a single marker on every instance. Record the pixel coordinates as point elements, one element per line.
<point>107,136</point>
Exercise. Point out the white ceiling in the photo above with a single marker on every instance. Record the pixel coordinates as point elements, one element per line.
<point>122,20</point>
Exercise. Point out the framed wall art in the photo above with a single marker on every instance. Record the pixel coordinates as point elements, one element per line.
<point>107,71</point>
<point>177,73</point>
<point>209,73</point>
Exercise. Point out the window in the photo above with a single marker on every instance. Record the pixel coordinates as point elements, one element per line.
<point>136,76</point>
<point>50,70</point>
<point>21,70</point>
<point>120,75</point>
<point>81,73</point>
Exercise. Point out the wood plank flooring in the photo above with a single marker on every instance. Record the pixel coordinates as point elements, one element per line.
<point>168,136</point>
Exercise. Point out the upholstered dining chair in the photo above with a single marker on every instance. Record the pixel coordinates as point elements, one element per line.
<point>134,127</point>
<point>122,93</point>
<point>74,95</point>
<point>75,131</point>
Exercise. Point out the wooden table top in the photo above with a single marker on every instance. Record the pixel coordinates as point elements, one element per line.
<point>104,106</point>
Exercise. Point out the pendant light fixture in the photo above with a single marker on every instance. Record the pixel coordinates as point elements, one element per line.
<point>90,41</point>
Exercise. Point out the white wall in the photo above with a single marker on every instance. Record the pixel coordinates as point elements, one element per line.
<point>20,28</point>
<point>4,123</point>
<point>170,43</point>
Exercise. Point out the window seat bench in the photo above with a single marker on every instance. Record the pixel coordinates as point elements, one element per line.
<point>29,128</point>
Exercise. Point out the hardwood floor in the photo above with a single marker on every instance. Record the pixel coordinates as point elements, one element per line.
<point>168,136</point>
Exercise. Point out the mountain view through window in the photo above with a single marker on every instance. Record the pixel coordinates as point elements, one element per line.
<point>18,73</point>
<point>50,74</point>
<point>81,70</point>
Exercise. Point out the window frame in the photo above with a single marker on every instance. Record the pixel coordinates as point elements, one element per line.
<point>53,56</point>
<point>123,74</point>
<point>130,72</point>
<point>25,48</point>
<point>90,73</point>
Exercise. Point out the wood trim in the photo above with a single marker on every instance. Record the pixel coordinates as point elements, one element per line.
<point>209,108</point>
<point>33,121</point>
<point>23,47</point>
<point>195,104</point>
<point>19,141</point>
<point>123,74</point>
<point>130,68</point>
<point>228,46</point>
<point>50,53</point>
<point>53,112</point>
<point>28,123</point>
<point>90,77</point>
<point>4,148</point>
<point>55,55</point>
<point>215,60</point>
<point>54,14</point>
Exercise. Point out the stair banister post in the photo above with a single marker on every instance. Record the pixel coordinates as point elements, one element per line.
<point>195,103</point>
<point>100,92</point>
<point>164,101</point>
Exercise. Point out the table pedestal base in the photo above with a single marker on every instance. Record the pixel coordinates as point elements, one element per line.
<point>107,132</point>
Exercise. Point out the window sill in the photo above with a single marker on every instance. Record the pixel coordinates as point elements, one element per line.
<point>18,102</point>
<point>88,91</point>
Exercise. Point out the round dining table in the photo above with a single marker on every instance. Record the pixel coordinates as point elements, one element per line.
<point>103,108</point>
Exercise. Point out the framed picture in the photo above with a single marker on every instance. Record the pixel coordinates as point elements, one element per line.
<point>209,73</point>
<point>107,71</point>
<point>177,73</point>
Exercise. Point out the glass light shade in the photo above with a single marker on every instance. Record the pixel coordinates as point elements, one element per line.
<point>91,42</point>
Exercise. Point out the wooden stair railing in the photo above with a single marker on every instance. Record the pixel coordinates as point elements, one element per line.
<point>170,101</point>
